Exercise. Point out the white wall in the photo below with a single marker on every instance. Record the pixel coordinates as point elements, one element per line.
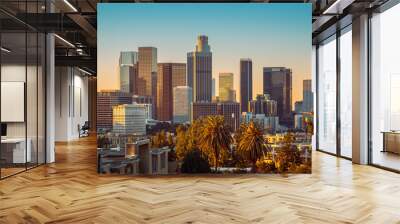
<point>71,103</point>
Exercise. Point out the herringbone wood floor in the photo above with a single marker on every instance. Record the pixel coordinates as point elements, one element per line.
<point>70,191</point>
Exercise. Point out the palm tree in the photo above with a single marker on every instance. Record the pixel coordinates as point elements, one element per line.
<point>251,145</point>
<point>215,138</point>
<point>239,133</point>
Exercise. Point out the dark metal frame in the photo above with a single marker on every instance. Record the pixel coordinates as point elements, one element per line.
<point>387,5</point>
<point>380,9</point>
<point>338,152</point>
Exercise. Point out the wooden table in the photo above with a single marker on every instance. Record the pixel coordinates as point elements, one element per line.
<point>391,141</point>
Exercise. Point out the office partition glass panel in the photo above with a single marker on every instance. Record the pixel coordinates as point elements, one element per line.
<point>346,92</point>
<point>327,95</point>
<point>22,88</point>
<point>385,89</point>
<point>14,144</point>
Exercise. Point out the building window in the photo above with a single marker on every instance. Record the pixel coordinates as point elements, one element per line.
<point>346,92</point>
<point>385,89</point>
<point>327,95</point>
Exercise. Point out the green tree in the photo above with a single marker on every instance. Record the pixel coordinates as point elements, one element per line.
<point>251,145</point>
<point>215,139</point>
<point>239,133</point>
<point>194,162</point>
<point>181,142</point>
<point>193,133</point>
<point>159,139</point>
<point>288,156</point>
<point>170,141</point>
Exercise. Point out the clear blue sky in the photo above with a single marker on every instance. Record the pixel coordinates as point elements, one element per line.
<point>270,34</point>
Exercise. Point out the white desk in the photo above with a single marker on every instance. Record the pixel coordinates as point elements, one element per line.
<point>19,153</point>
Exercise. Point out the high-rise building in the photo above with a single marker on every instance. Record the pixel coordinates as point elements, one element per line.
<point>199,70</point>
<point>129,119</point>
<point>230,111</point>
<point>105,102</point>
<point>182,102</point>
<point>147,74</point>
<point>263,105</point>
<point>133,78</point>
<point>128,71</point>
<point>298,106</point>
<point>246,83</point>
<point>226,92</point>
<point>169,75</point>
<point>147,69</point>
<point>277,82</point>
<point>178,71</point>
<point>269,123</point>
<point>213,88</point>
<point>164,92</point>
<point>142,99</point>
<point>298,121</point>
<point>308,96</point>
<point>148,110</point>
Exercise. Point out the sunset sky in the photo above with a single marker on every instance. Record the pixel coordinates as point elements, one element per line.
<point>272,35</point>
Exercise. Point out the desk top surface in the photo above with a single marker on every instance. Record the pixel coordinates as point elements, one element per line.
<point>391,132</point>
<point>13,140</point>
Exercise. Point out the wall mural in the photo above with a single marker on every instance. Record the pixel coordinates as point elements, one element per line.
<point>204,88</point>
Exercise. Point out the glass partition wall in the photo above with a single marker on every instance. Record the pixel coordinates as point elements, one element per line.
<point>385,89</point>
<point>22,77</point>
<point>334,95</point>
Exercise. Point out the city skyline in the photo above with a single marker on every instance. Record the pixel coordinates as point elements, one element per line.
<point>175,44</point>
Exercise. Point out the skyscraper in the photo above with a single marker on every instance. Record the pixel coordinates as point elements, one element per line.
<point>105,102</point>
<point>178,74</point>
<point>308,97</point>
<point>199,70</point>
<point>246,83</point>
<point>277,82</point>
<point>127,71</point>
<point>169,76</point>
<point>230,111</point>
<point>213,88</point>
<point>147,74</point>
<point>147,67</point>
<point>129,119</point>
<point>263,105</point>
<point>226,92</point>
<point>182,102</point>
<point>164,92</point>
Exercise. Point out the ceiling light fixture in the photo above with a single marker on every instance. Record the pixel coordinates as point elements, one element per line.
<point>64,40</point>
<point>70,5</point>
<point>84,71</point>
<point>5,50</point>
<point>337,7</point>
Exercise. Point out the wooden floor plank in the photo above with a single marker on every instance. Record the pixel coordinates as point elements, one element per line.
<point>70,191</point>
